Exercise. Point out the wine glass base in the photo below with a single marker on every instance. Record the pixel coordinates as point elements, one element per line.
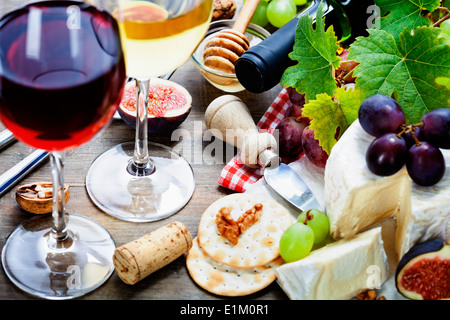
<point>140,198</point>
<point>33,264</point>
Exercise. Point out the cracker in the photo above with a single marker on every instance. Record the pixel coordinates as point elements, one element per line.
<point>258,245</point>
<point>224,280</point>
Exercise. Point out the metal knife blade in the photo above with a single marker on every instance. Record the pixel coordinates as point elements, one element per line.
<point>288,184</point>
<point>17,172</point>
<point>6,138</point>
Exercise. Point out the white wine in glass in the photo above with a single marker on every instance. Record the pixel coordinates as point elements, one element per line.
<point>141,181</point>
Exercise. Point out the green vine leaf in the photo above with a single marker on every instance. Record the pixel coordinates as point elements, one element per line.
<point>396,15</point>
<point>407,68</point>
<point>331,115</point>
<point>315,51</point>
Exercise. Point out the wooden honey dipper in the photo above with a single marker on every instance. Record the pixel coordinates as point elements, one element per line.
<point>222,51</point>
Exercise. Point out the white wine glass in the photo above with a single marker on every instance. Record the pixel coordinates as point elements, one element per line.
<point>62,71</point>
<point>141,181</point>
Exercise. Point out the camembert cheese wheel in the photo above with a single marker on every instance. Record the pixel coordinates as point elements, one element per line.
<point>356,199</point>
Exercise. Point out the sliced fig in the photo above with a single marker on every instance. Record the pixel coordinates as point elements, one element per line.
<point>169,105</point>
<point>424,271</point>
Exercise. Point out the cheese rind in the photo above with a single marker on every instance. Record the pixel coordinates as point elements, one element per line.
<point>337,271</point>
<point>425,213</point>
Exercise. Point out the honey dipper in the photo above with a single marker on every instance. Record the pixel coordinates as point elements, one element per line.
<point>222,51</point>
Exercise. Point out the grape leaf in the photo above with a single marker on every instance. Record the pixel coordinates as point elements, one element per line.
<point>315,50</point>
<point>406,68</point>
<point>396,15</point>
<point>329,113</point>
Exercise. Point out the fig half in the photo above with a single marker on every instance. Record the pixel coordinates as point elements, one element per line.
<point>169,105</point>
<point>424,271</point>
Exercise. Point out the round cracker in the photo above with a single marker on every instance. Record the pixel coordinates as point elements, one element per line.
<point>224,280</point>
<point>258,245</point>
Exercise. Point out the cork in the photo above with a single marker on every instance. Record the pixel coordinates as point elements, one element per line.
<point>139,258</point>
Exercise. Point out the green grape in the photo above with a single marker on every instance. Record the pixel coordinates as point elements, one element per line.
<point>300,2</point>
<point>446,27</point>
<point>296,242</point>
<point>260,15</point>
<point>280,12</point>
<point>318,222</point>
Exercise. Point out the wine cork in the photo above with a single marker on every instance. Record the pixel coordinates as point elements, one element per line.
<point>139,258</point>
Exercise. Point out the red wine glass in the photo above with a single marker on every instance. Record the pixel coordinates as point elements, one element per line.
<point>62,75</point>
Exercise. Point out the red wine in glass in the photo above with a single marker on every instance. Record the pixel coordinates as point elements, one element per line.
<point>59,81</point>
<point>62,75</point>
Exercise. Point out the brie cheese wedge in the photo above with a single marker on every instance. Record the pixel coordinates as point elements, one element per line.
<point>337,271</point>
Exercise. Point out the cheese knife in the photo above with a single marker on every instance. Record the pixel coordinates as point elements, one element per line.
<point>6,138</point>
<point>228,118</point>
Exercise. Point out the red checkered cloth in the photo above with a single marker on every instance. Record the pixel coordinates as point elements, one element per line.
<point>235,175</point>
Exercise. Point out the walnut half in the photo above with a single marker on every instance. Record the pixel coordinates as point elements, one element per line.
<point>232,229</point>
<point>223,9</point>
<point>38,197</point>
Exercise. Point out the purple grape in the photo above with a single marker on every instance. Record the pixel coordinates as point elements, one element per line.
<point>295,97</point>
<point>312,149</point>
<point>294,111</point>
<point>436,128</point>
<point>425,164</point>
<point>380,114</point>
<point>290,137</point>
<point>386,154</point>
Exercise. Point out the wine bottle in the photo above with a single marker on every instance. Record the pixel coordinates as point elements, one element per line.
<point>260,68</point>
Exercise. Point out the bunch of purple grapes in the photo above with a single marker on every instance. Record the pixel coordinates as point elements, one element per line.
<point>396,144</point>
<point>295,136</point>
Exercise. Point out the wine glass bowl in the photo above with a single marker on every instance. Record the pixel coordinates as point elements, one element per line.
<point>62,73</point>
<point>159,36</point>
<point>51,69</point>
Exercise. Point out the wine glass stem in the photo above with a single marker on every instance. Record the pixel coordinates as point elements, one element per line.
<point>59,227</point>
<point>141,161</point>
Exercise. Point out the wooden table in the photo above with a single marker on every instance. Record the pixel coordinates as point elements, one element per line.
<point>172,281</point>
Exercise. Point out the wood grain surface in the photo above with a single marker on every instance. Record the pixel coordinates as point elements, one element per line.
<point>172,281</point>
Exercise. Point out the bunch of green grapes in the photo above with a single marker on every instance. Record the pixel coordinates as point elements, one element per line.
<point>276,12</point>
